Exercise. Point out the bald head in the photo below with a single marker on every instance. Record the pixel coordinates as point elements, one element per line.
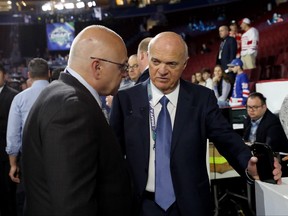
<point>223,31</point>
<point>95,41</point>
<point>171,41</point>
<point>99,55</point>
<point>168,55</point>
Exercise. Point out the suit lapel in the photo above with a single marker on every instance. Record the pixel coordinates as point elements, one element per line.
<point>144,126</point>
<point>184,109</point>
<point>70,80</point>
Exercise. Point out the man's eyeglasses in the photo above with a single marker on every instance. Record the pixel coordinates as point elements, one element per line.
<point>133,66</point>
<point>253,108</point>
<point>122,67</point>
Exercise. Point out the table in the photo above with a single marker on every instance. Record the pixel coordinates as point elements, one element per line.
<point>215,177</point>
<point>271,199</point>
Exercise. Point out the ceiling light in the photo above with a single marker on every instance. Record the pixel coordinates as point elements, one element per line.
<point>91,4</point>
<point>80,5</point>
<point>59,6</point>
<point>69,5</point>
<point>47,7</point>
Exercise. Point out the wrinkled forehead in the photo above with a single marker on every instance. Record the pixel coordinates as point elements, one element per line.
<point>167,53</point>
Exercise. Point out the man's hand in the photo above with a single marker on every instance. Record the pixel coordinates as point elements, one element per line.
<point>14,174</point>
<point>252,169</point>
<point>14,169</point>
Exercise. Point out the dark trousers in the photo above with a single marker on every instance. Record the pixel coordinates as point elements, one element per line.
<point>20,192</point>
<point>20,198</point>
<point>150,208</point>
<point>7,191</point>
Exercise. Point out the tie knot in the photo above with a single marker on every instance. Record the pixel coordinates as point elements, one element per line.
<point>164,101</point>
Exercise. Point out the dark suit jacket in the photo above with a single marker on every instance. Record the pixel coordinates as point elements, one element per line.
<point>229,52</point>
<point>6,97</point>
<point>143,77</point>
<point>71,161</point>
<point>269,131</point>
<point>197,118</point>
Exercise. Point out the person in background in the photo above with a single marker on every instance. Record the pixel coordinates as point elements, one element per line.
<point>23,84</point>
<point>206,74</point>
<point>193,79</point>
<point>134,70</point>
<point>237,35</point>
<point>221,86</point>
<point>241,86</point>
<point>7,186</point>
<point>205,49</point>
<point>162,126</point>
<point>199,79</point>
<point>142,59</point>
<point>249,44</point>
<point>227,50</point>
<point>72,164</point>
<point>261,125</point>
<point>133,75</point>
<point>38,72</point>
<point>56,73</point>
<point>283,116</point>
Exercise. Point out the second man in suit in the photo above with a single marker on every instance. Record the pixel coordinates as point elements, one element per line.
<point>192,113</point>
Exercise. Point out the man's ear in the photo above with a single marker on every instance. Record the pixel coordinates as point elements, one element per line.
<point>96,65</point>
<point>97,69</point>
<point>28,74</point>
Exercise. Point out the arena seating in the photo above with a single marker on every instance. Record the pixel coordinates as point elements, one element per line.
<point>272,59</point>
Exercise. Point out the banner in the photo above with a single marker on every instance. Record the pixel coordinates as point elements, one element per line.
<point>60,36</point>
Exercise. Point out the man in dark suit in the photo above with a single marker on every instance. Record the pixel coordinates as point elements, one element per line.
<point>261,125</point>
<point>142,58</point>
<point>227,50</point>
<point>72,164</point>
<point>195,116</point>
<point>7,187</point>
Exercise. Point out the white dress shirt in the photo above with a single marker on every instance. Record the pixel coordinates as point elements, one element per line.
<point>171,106</point>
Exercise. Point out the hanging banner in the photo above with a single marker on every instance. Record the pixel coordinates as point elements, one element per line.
<point>60,36</point>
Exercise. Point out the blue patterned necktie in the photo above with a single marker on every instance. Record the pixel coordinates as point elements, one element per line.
<point>164,192</point>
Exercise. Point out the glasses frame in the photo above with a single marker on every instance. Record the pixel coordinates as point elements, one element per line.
<point>122,67</point>
<point>133,66</point>
<point>253,108</point>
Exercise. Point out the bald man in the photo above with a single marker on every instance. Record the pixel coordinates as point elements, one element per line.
<point>174,162</point>
<point>71,162</point>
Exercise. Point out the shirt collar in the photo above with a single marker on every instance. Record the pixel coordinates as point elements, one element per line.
<point>253,122</point>
<point>87,85</point>
<point>39,83</point>
<point>1,88</point>
<point>157,95</point>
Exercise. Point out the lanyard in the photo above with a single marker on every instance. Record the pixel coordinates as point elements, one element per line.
<point>151,114</point>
